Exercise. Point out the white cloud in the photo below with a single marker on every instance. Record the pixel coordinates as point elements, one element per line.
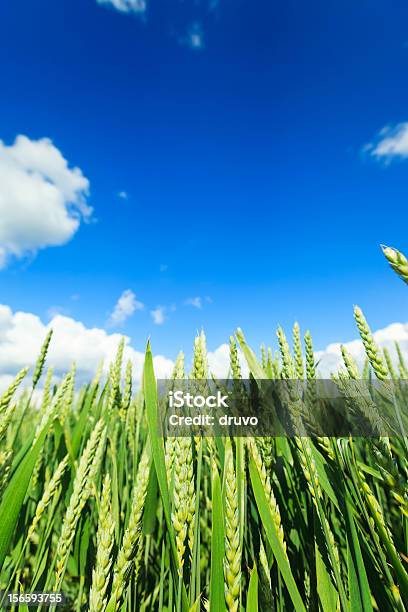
<point>5,381</point>
<point>330,360</point>
<point>22,334</point>
<point>127,6</point>
<point>42,199</point>
<point>126,305</point>
<point>158,315</point>
<point>391,143</point>
<point>123,195</point>
<point>219,362</point>
<point>195,301</point>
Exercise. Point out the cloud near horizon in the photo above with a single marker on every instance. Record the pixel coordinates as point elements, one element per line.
<point>42,199</point>
<point>22,334</point>
<point>331,360</point>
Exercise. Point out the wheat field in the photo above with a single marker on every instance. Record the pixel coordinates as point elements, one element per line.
<point>96,505</point>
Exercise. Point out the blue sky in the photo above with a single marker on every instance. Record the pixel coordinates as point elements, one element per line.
<point>238,130</point>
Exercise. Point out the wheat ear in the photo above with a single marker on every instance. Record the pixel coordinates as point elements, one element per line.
<point>104,543</point>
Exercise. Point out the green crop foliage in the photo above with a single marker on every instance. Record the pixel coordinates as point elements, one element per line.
<point>96,504</point>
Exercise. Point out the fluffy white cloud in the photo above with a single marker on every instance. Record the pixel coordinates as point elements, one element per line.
<point>126,6</point>
<point>42,199</point>
<point>392,142</point>
<point>158,315</point>
<point>330,359</point>
<point>219,362</point>
<point>126,305</point>
<point>22,334</point>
